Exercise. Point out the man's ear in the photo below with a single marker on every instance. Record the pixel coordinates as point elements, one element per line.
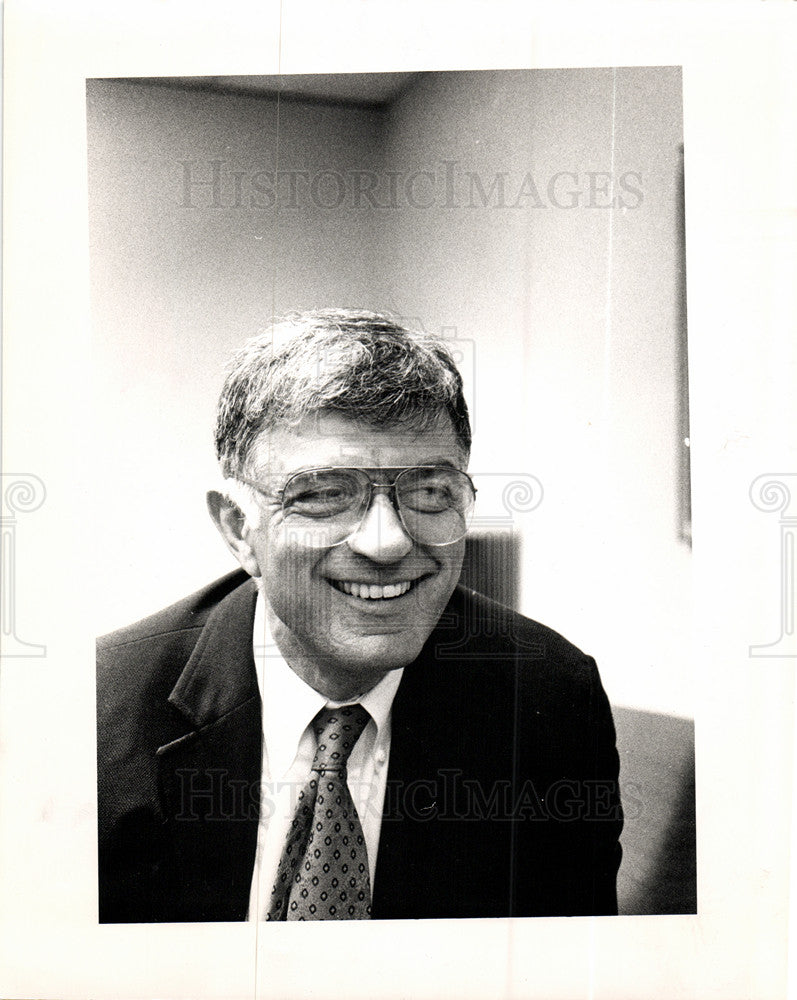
<point>229,519</point>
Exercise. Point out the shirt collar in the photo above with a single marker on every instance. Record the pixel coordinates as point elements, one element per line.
<point>290,704</point>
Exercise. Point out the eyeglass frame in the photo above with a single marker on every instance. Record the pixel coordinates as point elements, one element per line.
<point>390,487</point>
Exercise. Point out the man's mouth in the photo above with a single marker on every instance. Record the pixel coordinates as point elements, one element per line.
<point>374,591</point>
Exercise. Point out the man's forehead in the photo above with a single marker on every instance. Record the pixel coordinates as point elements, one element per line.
<point>328,438</point>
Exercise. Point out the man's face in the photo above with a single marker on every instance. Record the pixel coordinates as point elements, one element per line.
<point>321,627</point>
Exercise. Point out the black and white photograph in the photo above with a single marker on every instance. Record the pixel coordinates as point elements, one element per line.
<point>396,222</point>
<point>391,448</point>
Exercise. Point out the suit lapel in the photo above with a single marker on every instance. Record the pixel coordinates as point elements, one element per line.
<point>210,776</point>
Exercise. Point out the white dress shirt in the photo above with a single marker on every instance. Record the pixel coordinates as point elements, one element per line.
<point>289,745</point>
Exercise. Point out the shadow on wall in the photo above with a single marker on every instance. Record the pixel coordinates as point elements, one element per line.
<point>657,778</point>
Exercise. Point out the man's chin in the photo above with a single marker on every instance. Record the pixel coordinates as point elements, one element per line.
<point>380,653</point>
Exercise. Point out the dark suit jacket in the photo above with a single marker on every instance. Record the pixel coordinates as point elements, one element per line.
<point>502,796</point>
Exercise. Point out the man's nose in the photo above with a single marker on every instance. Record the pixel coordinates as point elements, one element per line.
<point>381,536</point>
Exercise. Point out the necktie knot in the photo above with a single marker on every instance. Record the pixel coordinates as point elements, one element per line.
<point>337,730</point>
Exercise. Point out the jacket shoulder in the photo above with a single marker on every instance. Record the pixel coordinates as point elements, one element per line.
<point>496,653</point>
<point>189,613</point>
<point>485,628</point>
<point>138,665</point>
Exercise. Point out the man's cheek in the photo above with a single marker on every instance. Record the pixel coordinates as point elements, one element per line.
<point>281,581</point>
<point>307,603</point>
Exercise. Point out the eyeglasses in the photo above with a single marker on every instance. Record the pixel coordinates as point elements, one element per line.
<point>433,502</point>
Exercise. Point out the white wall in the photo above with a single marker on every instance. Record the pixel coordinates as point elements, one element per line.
<point>568,319</point>
<point>574,315</point>
<point>175,289</point>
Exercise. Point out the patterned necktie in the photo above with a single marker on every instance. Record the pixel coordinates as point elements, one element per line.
<point>323,872</point>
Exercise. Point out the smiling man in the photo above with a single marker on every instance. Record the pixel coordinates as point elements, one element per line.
<point>354,580</point>
<point>338,730</point>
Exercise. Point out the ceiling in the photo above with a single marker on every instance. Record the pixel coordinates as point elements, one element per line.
<point>338,88</point>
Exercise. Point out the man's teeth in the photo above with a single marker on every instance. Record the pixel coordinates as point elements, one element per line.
<point>372,591</point>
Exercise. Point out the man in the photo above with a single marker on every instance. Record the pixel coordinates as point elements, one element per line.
<point>337,730</point>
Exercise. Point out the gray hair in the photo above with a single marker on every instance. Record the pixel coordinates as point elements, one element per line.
<point>360,364</point>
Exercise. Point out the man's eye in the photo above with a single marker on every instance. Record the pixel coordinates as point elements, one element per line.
<point>428,497</point>
<point>440,492</point>
<point>319,500</point>
<point>315,496</point>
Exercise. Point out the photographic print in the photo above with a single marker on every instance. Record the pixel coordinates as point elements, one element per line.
<point>531,221</point>
<point>403,400</point>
